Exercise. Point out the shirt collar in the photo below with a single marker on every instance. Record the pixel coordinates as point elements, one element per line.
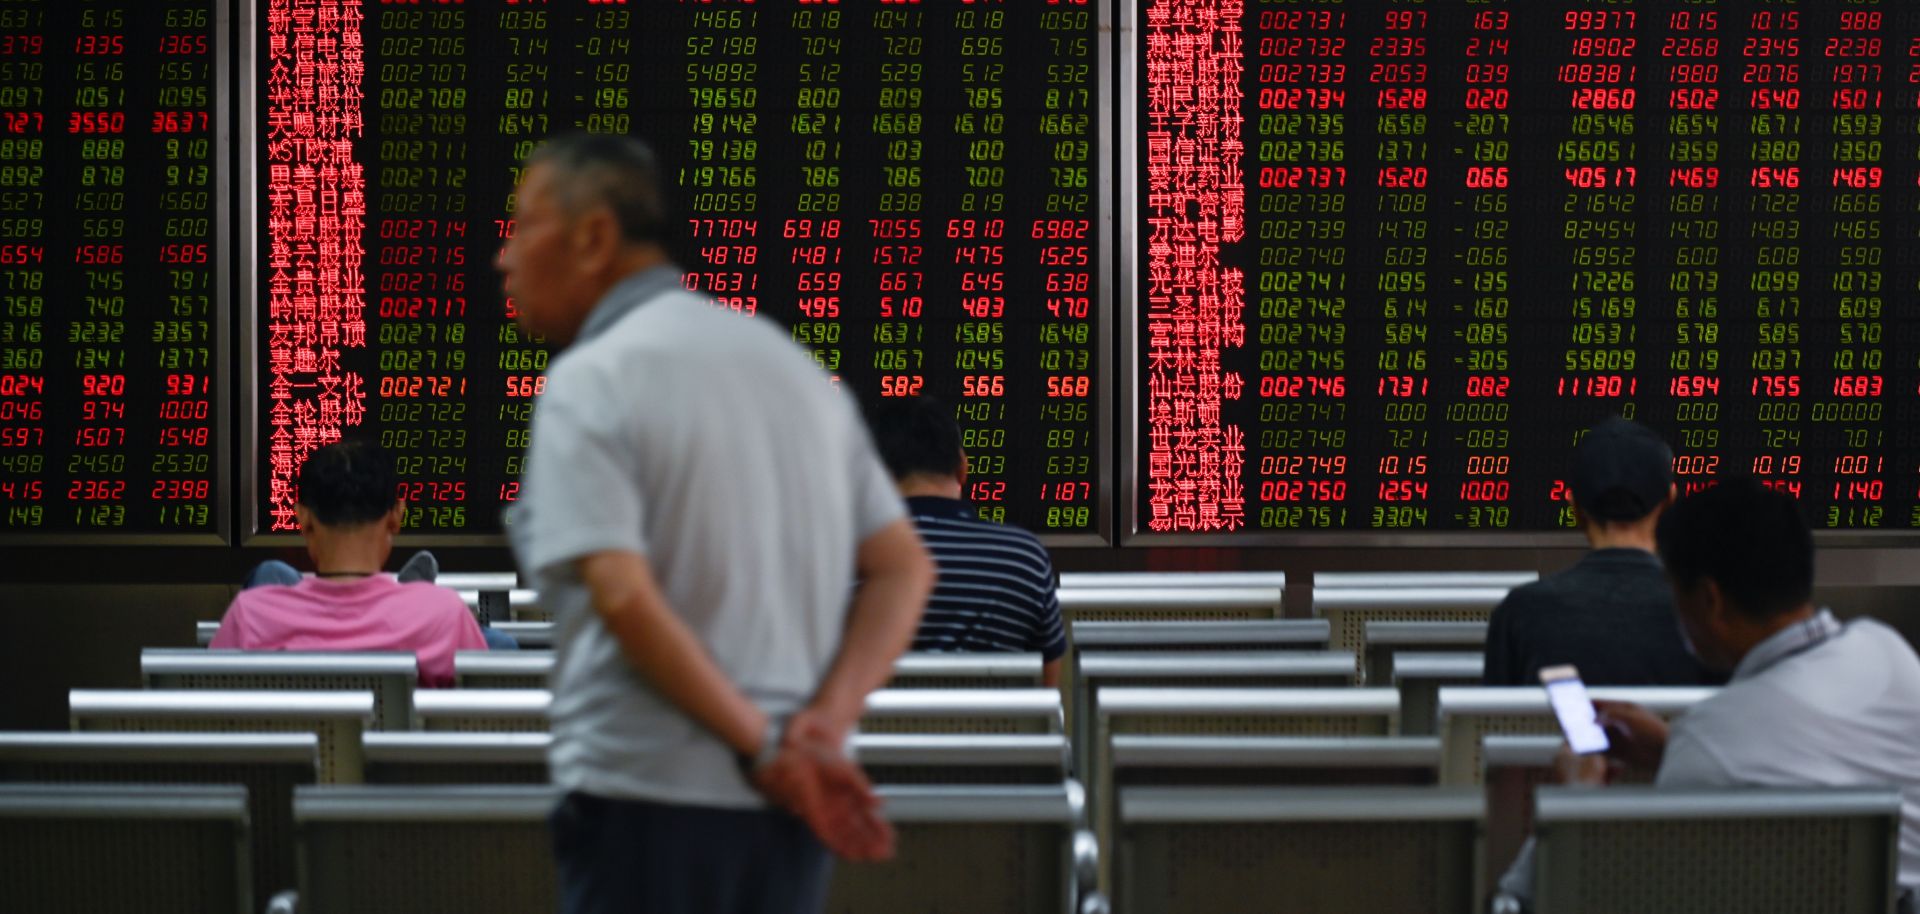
<point>1800,636</point>
<point>626,295</point>
<point>1623,555</point>
<point>936,506</point>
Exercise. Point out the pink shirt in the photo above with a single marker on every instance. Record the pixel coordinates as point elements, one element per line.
<point>375,613</point>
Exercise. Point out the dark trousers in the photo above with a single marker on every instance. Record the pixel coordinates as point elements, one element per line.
<point>639,857</point>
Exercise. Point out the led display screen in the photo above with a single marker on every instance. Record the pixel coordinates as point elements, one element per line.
<point>112,237</point>
<point>1394,257</point>
<point>915,190</point>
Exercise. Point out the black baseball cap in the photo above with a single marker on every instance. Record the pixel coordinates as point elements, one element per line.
<point>1621,471</point>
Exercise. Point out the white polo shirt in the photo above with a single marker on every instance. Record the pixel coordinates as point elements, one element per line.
<point>1816,705</point>
<point>708,442</point>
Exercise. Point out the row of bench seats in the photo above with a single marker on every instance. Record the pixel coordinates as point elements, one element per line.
<point>1380,640</point>
<point>1033,759</point>
<point>390,676</point>
<point>343,720</point>
<point>472,849</point>
<point>1346,600</point>
<point>1219,850</point>
<point>1144,737</point>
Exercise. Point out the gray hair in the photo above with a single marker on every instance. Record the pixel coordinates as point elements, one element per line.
<point>618,172</point>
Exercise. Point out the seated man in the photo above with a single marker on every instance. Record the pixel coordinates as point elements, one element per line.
<point>1812,702</point>
<point>997,589</point>
<point>349,511</point>
<point>1611,614</point>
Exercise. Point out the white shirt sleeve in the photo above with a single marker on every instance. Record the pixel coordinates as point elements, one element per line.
<point>1690,760</point>
<point>876,502</point>
<point>582,482</point>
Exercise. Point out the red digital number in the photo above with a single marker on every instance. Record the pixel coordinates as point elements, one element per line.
<point>184,253</point>
<point>181,489</point>
<point>96,122</point>
<point>1067,385</point>
<point>99,44</point>
<point>820,306</point>
<point>901,385</point>
<point>182,44</point>
<point>96,489</point>
<point>103,385</point>
<point>984,385</point>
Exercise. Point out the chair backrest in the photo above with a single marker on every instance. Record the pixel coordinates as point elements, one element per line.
<point>337,719</point>
<point>1178,580</point>
<point>971,848</point>
<point>1348,610</point>
<point>498,581</point>
<point>1511,767</point>
<point>402,850</point>
<point>1419,677</point>
<point>1168,604</point>
<point>1143,759</point>
<point>977,670</point>
<point>523,669</point>
<point>482,710</point>
<point>533,635</point>
<point>268,765</point>
<point>1203,635</point>
<point>888,710</point>
<point>1231,712</point>
<point>1297,711</point>
<point>1770,849</point>
<point>389,675</point>
<point>1159,760</point>
<point>1423,580</point>
<point>80,849</point>
<point>1385,639</point>
<point>963,711</point>
<point>527,669</point>
<point>522,604</point>
<point>1470,713</point>
<point>527,634</point>
<point>457,758</point>
<point>1224,850</point>
<point>1097,670</point>
<point>963,758</point>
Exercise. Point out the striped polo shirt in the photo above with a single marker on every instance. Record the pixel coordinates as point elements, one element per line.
<point>997,587</point>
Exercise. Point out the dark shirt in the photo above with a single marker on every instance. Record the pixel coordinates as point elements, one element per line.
<point>996,590</point>
<point>1610,615</point>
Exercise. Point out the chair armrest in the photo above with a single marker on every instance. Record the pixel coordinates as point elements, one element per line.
<point>1086,865</point>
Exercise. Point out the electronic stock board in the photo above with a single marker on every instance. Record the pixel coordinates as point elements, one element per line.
<point>1375,264</point>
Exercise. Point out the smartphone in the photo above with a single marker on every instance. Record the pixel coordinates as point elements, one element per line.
<point>1578,720</point>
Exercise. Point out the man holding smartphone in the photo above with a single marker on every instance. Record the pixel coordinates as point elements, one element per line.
<point>1611,614</point>
<point>1812,702</point>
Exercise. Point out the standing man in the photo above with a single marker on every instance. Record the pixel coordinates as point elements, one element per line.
<point>1611,614</point>
<point>997,589</point>
<point>699,506</point>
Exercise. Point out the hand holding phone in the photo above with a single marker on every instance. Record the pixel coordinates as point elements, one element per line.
<point>1578,720</point>
<point>1639,736</point>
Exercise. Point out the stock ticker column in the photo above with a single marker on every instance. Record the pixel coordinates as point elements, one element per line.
<point>109,336</point>
<point>912,189</point>
<point>1396,257</point>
